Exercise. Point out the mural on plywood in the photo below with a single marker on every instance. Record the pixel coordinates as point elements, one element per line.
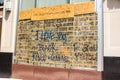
<point>69,40</point>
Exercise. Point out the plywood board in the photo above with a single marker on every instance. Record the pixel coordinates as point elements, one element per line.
<point>53,12</point>
<point>25,15</point>
<point>84,8</point>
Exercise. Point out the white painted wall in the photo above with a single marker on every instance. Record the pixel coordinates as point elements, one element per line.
<point>112,28</point>
<point>9,27</point>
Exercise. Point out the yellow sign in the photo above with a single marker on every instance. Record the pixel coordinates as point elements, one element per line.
<point>25,15</point>
<point>84,8</point>
<point>53,12</point>
<point>59,11</point>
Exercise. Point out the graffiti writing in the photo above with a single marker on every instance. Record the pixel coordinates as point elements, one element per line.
<point>71,41</point>
<point>85,56</point>
<point>49,35</point>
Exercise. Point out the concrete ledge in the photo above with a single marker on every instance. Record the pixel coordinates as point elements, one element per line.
<point>27,72</point>
<point>9,79</point>
<point>47,73</point>
<point>85,75</point>
<point>24,72</point>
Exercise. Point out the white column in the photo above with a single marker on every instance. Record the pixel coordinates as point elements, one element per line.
<point>9,27</point>
<point>99,9</point>
<point>15,20</point>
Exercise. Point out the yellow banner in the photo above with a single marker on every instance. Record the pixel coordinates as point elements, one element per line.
<point>25,15</point>
<point>83,8</point>
<point>53,12</point>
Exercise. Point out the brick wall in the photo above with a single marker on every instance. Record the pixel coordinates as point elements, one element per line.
<point>61,42</point>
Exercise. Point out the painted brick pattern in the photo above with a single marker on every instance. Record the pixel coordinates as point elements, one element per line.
<point>65,42</point>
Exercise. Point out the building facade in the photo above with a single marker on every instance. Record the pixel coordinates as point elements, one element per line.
<point>74,57</point>
<point>9,19</point>
<point>111,41</point>
<point>59,35</point>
